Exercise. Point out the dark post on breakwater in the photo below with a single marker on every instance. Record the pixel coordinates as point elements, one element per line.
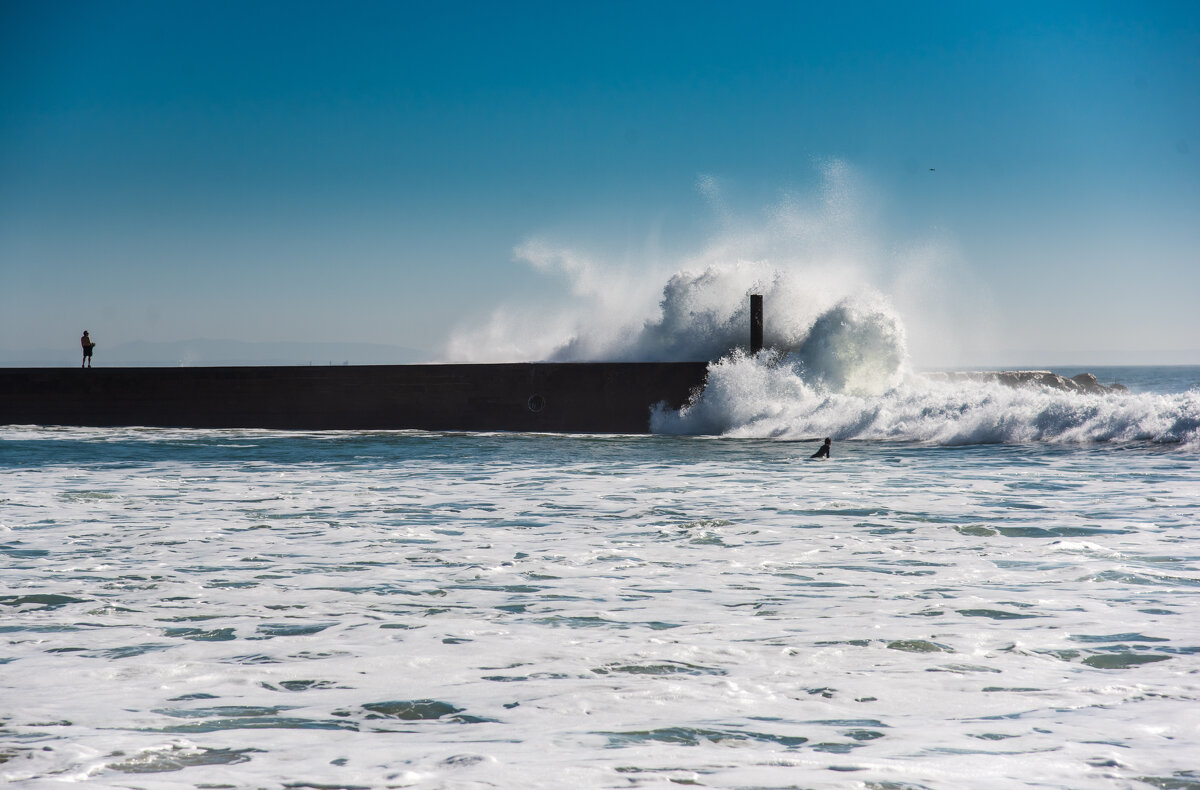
<point>756,323</point>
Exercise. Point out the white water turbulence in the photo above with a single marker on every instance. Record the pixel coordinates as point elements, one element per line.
<point>192,609</point>
<point>837,361</point>
<point>778,398</point>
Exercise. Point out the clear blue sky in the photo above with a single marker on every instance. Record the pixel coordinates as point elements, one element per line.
<point>363,171</point>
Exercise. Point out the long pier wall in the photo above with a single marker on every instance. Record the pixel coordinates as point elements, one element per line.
<point>585,397</point>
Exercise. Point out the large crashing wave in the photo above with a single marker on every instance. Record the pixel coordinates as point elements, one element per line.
<point>807,257</point>
<point>856,343</point>
<point>778,397</point>
<point>837,363</point>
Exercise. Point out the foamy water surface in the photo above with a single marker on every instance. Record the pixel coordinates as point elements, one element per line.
<point>190,609</point>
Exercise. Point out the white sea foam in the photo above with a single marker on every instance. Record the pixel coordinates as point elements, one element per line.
<point>260,609</point>
<point>864,395</point>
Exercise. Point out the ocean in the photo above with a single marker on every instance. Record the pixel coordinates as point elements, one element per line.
<point>983,588</point>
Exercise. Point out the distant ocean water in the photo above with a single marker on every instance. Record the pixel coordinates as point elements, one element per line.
<point>983,588</point>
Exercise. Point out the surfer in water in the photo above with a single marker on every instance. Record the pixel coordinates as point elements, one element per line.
<point>823,451</point>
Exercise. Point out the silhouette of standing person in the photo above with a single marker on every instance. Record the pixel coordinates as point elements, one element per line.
<point>823,451</point>
<point>88,345</point>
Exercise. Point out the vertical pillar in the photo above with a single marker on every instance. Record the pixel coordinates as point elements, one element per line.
<point>756,323</point>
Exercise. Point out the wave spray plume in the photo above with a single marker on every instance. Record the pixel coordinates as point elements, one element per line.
<point>837,360</point>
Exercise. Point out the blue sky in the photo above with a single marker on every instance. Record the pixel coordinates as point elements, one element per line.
<point>362,172</point>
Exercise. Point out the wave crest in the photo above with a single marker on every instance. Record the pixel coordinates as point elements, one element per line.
<point>854,347</point>
<point>772,398</point>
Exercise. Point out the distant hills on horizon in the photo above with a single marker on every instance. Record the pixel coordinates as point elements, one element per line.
<point>203,352</point>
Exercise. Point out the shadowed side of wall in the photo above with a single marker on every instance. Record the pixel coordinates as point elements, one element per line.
<point>593,397</point>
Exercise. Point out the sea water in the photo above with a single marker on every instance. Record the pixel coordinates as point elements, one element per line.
<point>1011,599</point>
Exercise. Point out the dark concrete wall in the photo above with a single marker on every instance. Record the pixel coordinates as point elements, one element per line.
<point>591,397</point>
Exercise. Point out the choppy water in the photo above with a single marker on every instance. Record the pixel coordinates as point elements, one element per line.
<point>260,609</point>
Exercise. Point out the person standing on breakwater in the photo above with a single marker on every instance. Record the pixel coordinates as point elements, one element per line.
<point>823,451</point>
<point>88,345</point>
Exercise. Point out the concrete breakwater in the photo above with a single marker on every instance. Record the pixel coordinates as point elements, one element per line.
<point>571,397</point>
<point>600,397</point>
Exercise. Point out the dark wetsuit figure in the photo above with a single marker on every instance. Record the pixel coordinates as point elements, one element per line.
<point>823,452</point>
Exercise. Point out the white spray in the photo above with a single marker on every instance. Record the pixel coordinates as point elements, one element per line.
<point>837,362</point>
<point>808,259</point>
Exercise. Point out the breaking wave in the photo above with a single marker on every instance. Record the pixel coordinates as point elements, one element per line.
<point>809,259</point>
<point>777,397</point>
<point>837,362</point>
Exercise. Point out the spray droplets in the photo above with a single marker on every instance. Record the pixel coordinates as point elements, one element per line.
<point>806,256</point>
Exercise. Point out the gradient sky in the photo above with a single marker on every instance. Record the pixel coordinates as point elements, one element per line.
<point>363,171</point>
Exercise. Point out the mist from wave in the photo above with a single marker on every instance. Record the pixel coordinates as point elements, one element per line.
<point>838,361</point>
<point>813,258</point>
